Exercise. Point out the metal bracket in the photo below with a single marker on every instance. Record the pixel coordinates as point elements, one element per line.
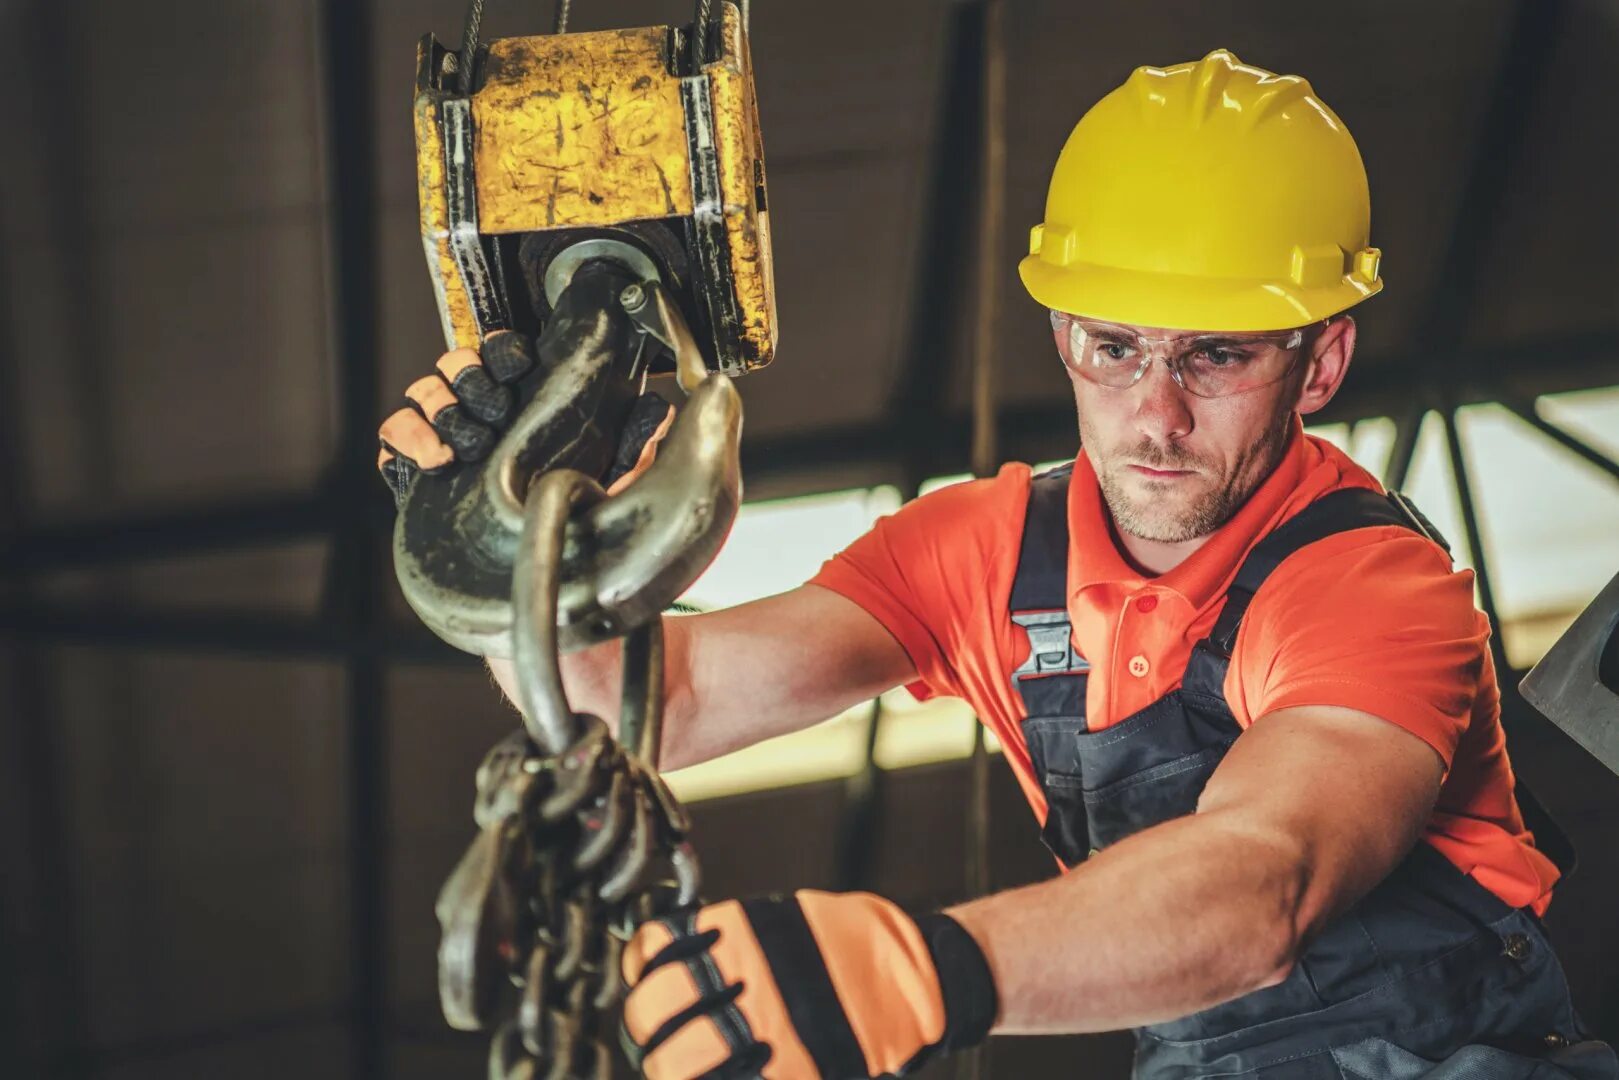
<point>651,307</point>
<point>1574,685</point>
<point>466,243</point>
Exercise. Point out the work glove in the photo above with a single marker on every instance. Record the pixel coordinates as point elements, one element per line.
<point>459,413</point>
<point>816,985</point>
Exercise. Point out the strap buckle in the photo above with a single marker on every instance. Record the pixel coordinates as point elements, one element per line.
<point>1051,649</point>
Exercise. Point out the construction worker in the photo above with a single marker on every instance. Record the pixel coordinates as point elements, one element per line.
<point>1243,689</point>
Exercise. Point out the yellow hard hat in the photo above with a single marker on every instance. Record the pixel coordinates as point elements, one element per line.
<point>1206,196</point>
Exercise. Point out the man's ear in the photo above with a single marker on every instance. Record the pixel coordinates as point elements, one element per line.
<point>1327,362</point>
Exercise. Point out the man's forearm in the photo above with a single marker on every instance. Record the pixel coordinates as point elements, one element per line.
<point>739,675</point>
<point>593,681</point>
<point>1175,919</point>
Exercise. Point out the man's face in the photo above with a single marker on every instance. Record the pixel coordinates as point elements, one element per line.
<point>1174,466</point>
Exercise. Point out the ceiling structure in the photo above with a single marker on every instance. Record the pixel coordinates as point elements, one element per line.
<point>212,289</point>
<point>207,191</point>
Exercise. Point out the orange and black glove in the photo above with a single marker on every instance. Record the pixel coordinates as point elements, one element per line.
<point>816,985</point>
<point>460,412</point>
<point>456,414</point>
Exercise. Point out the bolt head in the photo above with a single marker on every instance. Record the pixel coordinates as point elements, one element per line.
<point>633,298</point>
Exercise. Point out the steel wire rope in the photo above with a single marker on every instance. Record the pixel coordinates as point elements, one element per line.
<point>699,34</point>
<point>984,449</point>
<point>470,26</point>
<point>469,43</point>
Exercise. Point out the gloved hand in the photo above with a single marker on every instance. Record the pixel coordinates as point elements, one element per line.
<point>459,414</point>
<point>828,985</point>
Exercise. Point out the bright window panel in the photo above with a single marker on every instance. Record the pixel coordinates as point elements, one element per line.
<point>924,732</point>
<point>835,748</point>
<point>943,482</point>
<point>775,546</point>
<point>1590,415</point>
<point>1336,434</point>
<point>778,545</point>
<point>1550,517</point>
<point>1370,443</point>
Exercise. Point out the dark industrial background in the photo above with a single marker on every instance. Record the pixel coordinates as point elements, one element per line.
<point>233,771</point>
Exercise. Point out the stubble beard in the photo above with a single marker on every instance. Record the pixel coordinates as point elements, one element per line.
<point>1155,520</point>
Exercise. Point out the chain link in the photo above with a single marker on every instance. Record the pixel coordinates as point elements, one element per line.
<point>576,849</point>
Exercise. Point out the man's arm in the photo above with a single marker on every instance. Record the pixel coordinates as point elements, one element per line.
<point>1311,807</point>
<point>737,676</point>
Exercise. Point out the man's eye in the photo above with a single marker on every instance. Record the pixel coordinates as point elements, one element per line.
<point>1113,351</point>
<point>1220,357</point>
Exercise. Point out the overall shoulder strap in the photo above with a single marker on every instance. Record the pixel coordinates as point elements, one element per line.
<point>1051,681</point>
<point>1336,512</point>
<point>1333,513</point>
<point>1041,581</point>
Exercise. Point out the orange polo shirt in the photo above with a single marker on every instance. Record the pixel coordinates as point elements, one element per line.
<point>1374,619</point>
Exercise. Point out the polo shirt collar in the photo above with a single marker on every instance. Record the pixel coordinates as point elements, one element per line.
<point>1094,557</point>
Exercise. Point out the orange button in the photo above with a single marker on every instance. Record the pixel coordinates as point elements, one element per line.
<point>1146,604</point>
<point>1139,666</point>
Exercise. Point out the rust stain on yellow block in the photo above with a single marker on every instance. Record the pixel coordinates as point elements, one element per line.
<point>579,130</point>
<point>455,306</point>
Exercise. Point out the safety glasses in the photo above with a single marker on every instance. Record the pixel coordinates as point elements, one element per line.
<point>1207,365</point>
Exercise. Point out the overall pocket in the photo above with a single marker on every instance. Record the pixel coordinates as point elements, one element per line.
<point>1054,752</point>
<point>1146,798</point>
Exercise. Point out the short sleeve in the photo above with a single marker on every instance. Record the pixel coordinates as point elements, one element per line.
<point>1375,620</point>
<point>927,571</point>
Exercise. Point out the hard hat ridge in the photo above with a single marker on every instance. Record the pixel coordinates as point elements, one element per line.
<point>1212,89</point>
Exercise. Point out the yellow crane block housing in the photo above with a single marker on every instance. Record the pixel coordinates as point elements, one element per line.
<point>601,131</point>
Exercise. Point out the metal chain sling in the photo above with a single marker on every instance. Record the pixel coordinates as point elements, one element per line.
<point>579,838</point>
<point>575,834</point>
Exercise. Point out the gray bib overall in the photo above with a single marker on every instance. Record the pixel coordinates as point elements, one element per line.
<point>1430,975</point>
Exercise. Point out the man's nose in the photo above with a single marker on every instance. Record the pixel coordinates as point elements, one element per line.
<point>1162,411</point>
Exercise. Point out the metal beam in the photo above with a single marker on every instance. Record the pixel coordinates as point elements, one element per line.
<point>985,451</point>
<point>223,632</point>
<point>55,972</point>
<point>231,523</point>
<point>1475,537</point>
<point>1031,432</point>
<point>991,225</point>
<point>1407,429</point>
<point>1526,411</point>
<point>50,971</point>
<point>34,792</point>
<point>1043,431</point>
<point>919,390</point>
<point>1527,48</point>
<point>1481,375</point>
<point>861,810</point>
<point>99,1060</point>
<point>360,548</point>
<point>1390,383</point>
<point>917,399</point>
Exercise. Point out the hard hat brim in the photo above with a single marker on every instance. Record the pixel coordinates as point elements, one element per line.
<point>1182,302</point>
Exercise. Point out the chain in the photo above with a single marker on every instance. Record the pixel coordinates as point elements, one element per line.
<point>580,841</point>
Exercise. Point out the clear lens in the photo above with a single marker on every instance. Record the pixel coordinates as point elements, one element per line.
<point>1208,365</point>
